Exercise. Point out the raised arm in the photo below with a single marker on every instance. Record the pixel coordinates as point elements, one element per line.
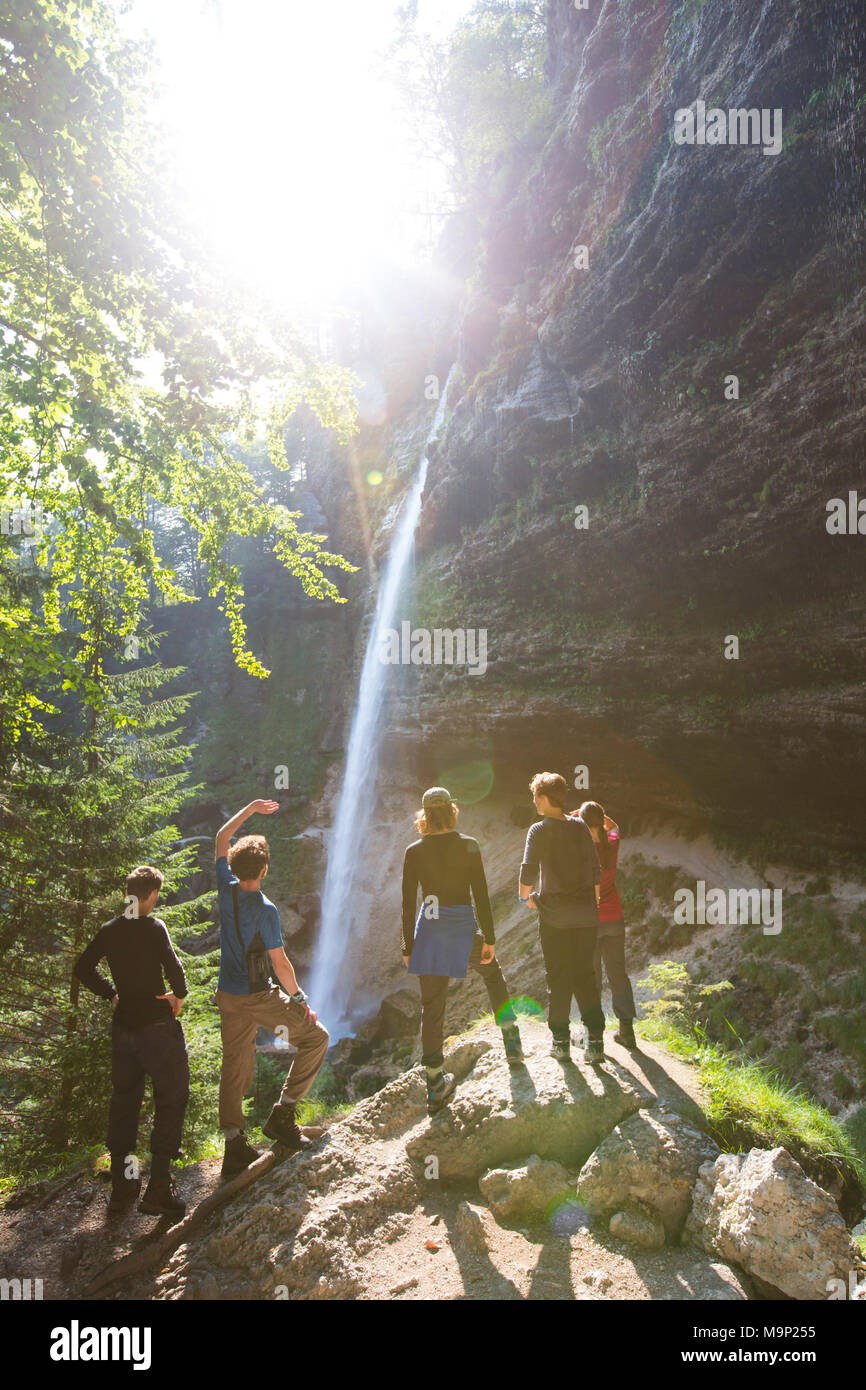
<point>224,835</point>
<point>590,859</point>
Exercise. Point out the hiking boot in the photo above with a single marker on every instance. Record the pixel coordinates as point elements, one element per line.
<point>282,1127</point>
<point>439,1091</point>
<point>625,1034</point>
<point>561,1049</point>
<point>160,1199</point>
<point>124,1191</point>
<point>594,1049</point>
<point>238,1156</point>
<point>513,1049</point>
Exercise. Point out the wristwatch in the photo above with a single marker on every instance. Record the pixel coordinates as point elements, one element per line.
<point>300,997</point>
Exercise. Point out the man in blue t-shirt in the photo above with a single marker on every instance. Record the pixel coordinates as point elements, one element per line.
<point>251,950</point>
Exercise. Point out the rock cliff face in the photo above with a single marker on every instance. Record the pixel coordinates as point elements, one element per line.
<point>606,387</point>
<point>603,380</point>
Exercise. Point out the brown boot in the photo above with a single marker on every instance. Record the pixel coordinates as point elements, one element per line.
<point>282,1127</point>
<point>238,1156</point>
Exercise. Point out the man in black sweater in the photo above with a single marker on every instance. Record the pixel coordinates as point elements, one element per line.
<point>147,1040</point>
<point>559,877</point>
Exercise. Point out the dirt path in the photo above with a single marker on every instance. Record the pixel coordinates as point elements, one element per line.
<point>66,1238</point>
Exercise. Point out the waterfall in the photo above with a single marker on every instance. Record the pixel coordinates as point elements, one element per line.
<point>332,976</point>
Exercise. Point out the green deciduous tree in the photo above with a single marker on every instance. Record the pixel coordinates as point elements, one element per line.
<point>128,363</point>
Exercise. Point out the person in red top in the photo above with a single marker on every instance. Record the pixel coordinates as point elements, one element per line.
<point>610,943</point>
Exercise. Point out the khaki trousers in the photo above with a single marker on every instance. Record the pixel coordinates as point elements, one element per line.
<point>240,1016</point>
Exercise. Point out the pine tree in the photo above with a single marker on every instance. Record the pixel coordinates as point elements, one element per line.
<point>77,821</point>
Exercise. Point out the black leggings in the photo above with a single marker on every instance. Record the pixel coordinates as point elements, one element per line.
<point>568,959</point>
<point>610,950</point>
<point>434,991</point>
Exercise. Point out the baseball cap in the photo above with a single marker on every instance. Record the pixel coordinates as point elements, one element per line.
<point>436,796</point>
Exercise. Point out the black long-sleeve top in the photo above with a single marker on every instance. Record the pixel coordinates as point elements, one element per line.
<point>560,858</point>
<point>449,868</point>
<point>138,951</point>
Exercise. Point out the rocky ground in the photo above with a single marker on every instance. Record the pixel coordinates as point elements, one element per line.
<point>479,1202</point>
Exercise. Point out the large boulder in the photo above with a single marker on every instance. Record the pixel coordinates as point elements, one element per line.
<point>308,906</point>
<point>651,1160</point>
<point>399,1015</point>
<point>761,1211</point>
<point>562,1113</point>
<point>524,1191</point>
<point>367,1080</point>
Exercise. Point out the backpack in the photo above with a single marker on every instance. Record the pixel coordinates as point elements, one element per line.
<point>258,961</point>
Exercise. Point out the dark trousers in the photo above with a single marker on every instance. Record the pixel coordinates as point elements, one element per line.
<point>610,951</point>
<point>568,960</point>
<point>434,990</point>
<point>157,1050</point>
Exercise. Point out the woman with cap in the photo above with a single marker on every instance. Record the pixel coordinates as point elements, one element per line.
<point>447,938</point>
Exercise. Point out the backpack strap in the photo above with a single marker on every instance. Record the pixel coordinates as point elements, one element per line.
<point>237,928</point>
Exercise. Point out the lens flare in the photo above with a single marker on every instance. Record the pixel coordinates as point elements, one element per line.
<point>468,782</point>
<point>521,1007</point>
<point>567,1216</point>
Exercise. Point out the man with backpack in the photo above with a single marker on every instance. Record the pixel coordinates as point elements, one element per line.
<point>146,1040</point>
<point>251,950</point>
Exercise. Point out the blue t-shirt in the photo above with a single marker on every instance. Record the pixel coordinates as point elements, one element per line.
<point>256,913</point>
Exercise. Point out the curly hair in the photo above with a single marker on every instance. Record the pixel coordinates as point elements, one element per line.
<point>248,856</point>
<point>552,785</point>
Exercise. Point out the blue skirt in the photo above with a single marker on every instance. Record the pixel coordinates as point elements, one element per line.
<point>443,947</point>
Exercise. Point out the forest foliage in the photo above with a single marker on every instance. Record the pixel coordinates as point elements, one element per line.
<point>132,374</point>
<point>146,404</point>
